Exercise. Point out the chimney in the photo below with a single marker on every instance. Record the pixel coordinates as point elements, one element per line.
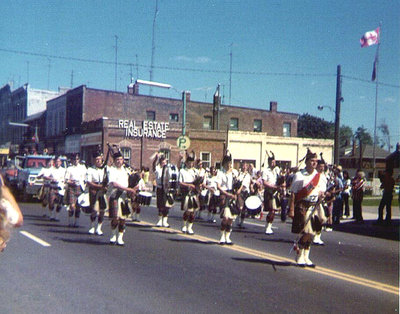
<point>273,106</point>
<point>188,96</point>
<point>133,89</point>
<point>216,108</point>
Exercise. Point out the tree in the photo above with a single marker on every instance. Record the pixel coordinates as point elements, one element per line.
<point>314,127</point>
<point>345,135</point>
<point>384,129</point>
<point>363,136</point>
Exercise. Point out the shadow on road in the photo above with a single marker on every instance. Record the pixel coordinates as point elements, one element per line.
<point>265,261</point>
<point>368,228</point>
<point>194,241</point>
<point>83,241</point>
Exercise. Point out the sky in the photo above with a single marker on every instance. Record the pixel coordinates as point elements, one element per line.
<point>284,51</point>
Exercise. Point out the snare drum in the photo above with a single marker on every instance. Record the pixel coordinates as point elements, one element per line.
<point>144,198</point>
<point>253,204</point>
<point>84,203</point>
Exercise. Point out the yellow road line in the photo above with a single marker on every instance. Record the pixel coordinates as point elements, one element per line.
<point>320,270</point>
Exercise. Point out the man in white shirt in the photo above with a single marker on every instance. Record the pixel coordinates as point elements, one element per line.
<point>75,179</point>
<point>190,202</point>
<point>56,178</point>
<point>118,178</point>
<point>269,178</point>
<point>307,193</point>
<point>95,179</point>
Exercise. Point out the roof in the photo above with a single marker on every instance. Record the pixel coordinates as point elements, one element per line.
<point>368,152</point>
<point>35,116</point>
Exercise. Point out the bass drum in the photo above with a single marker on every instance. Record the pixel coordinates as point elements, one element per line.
<point>253,205</point>
<point>84,203</point>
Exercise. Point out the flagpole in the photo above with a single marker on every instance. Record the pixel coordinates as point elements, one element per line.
<point>376,98</point>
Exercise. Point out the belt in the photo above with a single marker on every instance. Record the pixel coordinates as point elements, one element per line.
<point>308,203</point>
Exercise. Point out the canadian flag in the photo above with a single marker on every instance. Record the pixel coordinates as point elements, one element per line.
<point>370,38</point>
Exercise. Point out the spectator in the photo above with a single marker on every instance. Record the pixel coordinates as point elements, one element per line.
<point>388,185</point>
<point>346,193</point>
<point>357,194</point>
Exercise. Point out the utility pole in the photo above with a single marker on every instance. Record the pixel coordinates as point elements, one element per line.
<point>48,74</point>
<point>153,46</point>
<point>27,71</point>
<point>230,76</point>
<point>339,99</point>
<point>137,67</point>
<point>116,62</point>
<point>72,78</point>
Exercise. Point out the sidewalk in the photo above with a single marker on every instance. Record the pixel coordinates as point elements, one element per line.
<point>370,215</point>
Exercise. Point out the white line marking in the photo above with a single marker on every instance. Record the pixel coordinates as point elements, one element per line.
<point>34,238</point>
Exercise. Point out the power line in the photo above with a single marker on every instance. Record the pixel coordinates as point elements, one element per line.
<point>260,73</point>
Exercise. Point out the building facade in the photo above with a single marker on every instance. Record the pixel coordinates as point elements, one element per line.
<point>16,105</point>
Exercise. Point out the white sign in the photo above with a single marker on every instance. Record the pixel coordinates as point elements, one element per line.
<point>183,142</point>
<point>149,129</point>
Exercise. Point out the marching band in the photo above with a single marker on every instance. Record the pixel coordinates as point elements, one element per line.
<point>305,195</point>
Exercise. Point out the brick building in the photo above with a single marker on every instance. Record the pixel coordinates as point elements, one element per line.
<point>93,118</point>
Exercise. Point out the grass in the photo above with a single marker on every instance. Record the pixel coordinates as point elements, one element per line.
<point>375,200</point>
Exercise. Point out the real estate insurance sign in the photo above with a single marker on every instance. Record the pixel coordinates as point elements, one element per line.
<point>148,129</point>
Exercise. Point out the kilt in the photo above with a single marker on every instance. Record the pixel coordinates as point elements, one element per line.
<point>301,222</point>
<point>73,192</point>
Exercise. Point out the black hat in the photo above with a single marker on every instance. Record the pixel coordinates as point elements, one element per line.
<point>310,154</point>
<point>191,156</point>
<point>97,154</point>
<point>321,161</point>
<point>117,155</point>
<point>272,157</point>
<point>227,158</point>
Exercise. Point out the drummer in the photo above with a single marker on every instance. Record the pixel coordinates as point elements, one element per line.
<point>269,178</point>
<point>56,178</point>
<point>97,200</point>
<point>243,192</point>
<point>141,188</point>
<point>118,178</point>
<point>159,168</point>
<point>204,195</point>
<point>229,210</point>
<point>75,179</point>
<point>190,203</point>
<point>214,194</point>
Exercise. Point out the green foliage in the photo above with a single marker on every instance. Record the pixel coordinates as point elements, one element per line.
<point>362,135</point>
<point>314,127</point>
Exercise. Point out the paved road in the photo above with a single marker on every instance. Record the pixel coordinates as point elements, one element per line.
<point>161,270</point>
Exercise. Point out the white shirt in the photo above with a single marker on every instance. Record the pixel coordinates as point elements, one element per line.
<point>76,173</point>
<point>225,179</point>
<point>118,175</point>
<point>187,175</point>
<point>57,174</point>
<point>303,178</point>
<point>246,180</point>
<point>269,175</point>
<point>95,175</point>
